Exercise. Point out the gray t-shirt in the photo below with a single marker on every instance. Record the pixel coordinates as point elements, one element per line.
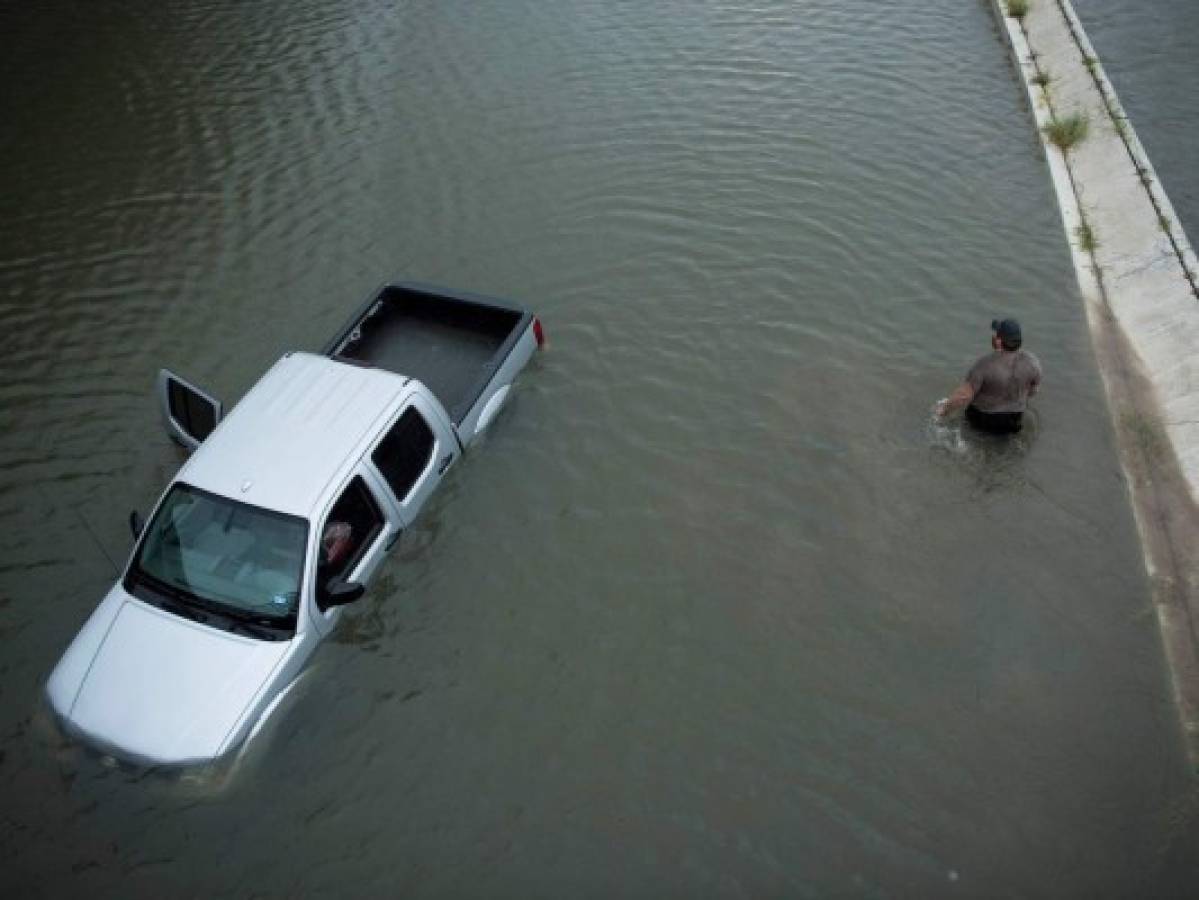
<point>1003,380</point>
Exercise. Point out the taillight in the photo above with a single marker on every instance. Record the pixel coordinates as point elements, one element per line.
<point>538,332</point>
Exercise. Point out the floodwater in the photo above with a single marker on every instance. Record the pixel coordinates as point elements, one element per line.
<point>715,610</point>
<point>1148,53</point>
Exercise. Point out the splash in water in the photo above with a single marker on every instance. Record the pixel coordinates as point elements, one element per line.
<point>944,434</point>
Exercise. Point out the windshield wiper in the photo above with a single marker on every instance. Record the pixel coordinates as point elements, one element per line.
<point>236,624</point>
<point>183,603</point>
<point>185,612</point>
<point>249,618</point>
<point>158,586</point>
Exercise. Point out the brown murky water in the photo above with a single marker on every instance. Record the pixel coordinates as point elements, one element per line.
<point>714,611</point>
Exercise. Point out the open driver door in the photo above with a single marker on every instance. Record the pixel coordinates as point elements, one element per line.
<point>190,415</point>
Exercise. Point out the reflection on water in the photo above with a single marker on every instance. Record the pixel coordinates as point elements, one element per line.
<point>714,610</point>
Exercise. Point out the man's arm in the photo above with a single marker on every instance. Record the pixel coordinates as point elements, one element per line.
<point>961,397</point>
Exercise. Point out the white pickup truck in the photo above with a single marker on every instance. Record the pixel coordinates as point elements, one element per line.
<point>279,518</point>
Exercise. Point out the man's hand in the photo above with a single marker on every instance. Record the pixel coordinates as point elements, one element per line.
<point>961,397</point>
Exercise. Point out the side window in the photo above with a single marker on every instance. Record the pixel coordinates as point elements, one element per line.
<point>352,526</point>
<point>404,452</point>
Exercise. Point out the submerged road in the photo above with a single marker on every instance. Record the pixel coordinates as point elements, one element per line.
<point>718,612</point>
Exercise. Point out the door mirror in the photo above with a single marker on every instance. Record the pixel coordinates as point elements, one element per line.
<point>190,415</point>
<point>341,593</point>
<point>136,524</point>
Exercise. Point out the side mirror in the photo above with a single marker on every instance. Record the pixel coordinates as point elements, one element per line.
<point>136,524</point>
<point>340,593</point>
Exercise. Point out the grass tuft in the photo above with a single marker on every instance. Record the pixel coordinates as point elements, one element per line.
<point>1086,237</point>
<point>1065,133</point>
<point>1042,79</point>
<point>1017,9</point>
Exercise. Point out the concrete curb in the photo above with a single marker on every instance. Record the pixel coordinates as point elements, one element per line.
<point>1059,172</point>
<point>1138,285</point>
<point>1136,151</point>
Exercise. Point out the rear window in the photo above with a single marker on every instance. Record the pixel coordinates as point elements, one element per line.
<point>405,452</point>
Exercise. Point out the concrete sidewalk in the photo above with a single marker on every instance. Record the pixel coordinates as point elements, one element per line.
<point>1137,276</point>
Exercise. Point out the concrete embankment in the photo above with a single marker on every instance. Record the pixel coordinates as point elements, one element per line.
<point>1137,277</point>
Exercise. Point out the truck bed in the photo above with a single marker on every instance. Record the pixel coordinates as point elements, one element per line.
<point>453,343</point>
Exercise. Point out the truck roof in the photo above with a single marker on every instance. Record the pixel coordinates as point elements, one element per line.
<point>293,433</point>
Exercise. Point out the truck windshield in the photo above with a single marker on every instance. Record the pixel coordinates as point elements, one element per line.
<point>221,556</point>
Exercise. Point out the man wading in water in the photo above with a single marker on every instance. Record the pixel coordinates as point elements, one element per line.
<point>997,387</point>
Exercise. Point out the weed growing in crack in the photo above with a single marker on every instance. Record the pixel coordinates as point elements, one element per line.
<point>1086,237</point>
<point>1066,132</point>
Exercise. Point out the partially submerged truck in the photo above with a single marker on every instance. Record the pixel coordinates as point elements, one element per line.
<point>280,517</point>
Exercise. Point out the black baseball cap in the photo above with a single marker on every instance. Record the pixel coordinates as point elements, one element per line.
<point>1008,331</point>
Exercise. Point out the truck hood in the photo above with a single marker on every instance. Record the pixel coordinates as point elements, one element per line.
<point>159,689</point>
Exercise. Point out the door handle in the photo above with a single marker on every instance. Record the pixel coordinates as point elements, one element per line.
<point>445,463</point>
